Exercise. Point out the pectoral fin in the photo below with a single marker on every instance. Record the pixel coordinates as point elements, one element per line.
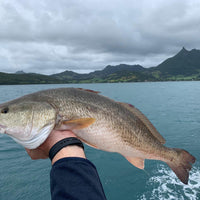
<point>77,123</point>
<point>137,162</point>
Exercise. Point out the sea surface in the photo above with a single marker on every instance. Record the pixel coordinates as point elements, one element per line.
<point>174,109</point>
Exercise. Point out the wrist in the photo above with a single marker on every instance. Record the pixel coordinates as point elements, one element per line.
<point>69,151</point>
<point>67,147</point>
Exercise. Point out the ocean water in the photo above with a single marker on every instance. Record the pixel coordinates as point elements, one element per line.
<point>174,109</point>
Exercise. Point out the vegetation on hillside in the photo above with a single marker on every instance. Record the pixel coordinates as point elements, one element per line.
<point>184,66</point>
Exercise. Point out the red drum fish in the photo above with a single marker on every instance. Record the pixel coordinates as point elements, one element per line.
<point>96,120</point>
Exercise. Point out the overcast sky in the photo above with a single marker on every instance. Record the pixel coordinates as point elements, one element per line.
<point>48,36</point>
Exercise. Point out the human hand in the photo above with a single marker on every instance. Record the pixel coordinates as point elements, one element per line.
<point>42,152</point>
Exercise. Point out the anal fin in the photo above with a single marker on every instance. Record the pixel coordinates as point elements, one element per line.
<point>91,145</point>
<point>136,161</point>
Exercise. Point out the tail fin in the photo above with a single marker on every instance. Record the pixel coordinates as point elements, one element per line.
<point>184,164</point>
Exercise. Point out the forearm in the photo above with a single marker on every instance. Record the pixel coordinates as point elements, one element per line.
<point>74,177</point>
<point>69,151</point>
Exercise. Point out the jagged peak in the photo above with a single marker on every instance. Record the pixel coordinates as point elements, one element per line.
<point>184,50</point>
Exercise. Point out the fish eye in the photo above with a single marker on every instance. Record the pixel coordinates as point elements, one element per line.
<point>5,110</point>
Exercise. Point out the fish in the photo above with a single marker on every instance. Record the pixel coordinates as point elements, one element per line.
<point>96,120</point>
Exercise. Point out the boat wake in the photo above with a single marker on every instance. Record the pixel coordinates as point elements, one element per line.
<point>166,186</point>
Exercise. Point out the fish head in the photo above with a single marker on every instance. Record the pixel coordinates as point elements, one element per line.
<point>28,122</point>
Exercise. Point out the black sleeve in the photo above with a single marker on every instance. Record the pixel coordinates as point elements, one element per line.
<point>75,178</point>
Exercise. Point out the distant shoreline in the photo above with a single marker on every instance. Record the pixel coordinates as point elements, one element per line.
<point>99,82</point>
<point>184,66</point>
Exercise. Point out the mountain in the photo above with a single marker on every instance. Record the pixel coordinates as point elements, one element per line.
<point>67,76</point>
<point>118,73</point>
<point>20,72</point>
<point>14,79</point>
<point>118,68</point>
<point>185,65</point>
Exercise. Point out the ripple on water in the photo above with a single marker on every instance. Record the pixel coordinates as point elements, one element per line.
<point>166,186</point>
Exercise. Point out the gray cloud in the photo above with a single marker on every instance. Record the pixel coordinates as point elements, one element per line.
<point>49,36</point>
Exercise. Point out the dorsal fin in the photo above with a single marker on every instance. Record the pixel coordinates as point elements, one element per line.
<point>144,119</point>
<point>88,90</point>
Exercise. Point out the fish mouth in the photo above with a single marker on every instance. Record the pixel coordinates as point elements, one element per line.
<point>3,128</point>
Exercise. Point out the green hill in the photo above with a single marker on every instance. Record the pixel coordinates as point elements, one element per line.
<point>29,78</point>
<point>119,73</point>
<point>185,65</point>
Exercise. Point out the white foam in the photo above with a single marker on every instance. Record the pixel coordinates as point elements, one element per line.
<point>166,186</point>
